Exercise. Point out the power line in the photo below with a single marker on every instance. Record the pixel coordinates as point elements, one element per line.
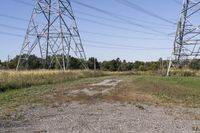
<point>177,2</point>
<point>106,45</point>
<point>88,32</point>
<point>22,2</point>
<point>12,17</point>
<point>122,18</point>
<point>94,33</point>
<point>119,48</point>
<point>10,34</point>
<point>80,18</point>
<point>148,22</point>
<point>11,27</point>
<point>118,21</point>
<point>84,19</point>
<point>139,20</point>
<point>117,17</point>
<point>120,45</point>
<point>113,26</point>
<point>138,8</point>
<point>120,36</point>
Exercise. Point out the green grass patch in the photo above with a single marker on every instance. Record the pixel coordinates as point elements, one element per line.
<point>41,94</point>
<point>184,90</point>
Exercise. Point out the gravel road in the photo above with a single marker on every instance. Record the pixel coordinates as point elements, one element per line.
<point>107,118</point>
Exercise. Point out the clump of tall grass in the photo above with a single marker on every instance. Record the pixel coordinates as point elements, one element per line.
<point>22,79</point>
<point>184,73</point>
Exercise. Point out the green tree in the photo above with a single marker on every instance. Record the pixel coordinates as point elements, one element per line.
<point>138,65</point>
<point>92,62</point>
<point>113,65</point>
<point>13,62</point>
<point>195,64</point>
<point>74,63</point>
<point>34,62</point>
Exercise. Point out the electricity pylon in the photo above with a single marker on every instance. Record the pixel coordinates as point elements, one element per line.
<point>52,32</point>
<point>187,39</point>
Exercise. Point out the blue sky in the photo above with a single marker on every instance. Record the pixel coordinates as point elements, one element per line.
<point>169,9</point>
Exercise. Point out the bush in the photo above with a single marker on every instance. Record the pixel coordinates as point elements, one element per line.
<point>186,73</point>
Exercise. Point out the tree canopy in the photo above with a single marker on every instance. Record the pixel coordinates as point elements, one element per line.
<point>35,62</point>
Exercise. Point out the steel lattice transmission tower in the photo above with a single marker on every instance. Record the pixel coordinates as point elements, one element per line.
<point>187,39</point>
<point>53,32</point>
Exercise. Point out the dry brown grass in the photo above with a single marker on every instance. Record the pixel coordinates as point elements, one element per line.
<point>23,79</point>
<point>128,92</point>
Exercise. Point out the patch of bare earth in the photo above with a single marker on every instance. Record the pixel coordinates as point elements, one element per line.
<point>103,87</point>
<point>103,115</point>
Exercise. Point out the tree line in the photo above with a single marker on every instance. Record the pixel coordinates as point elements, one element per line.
<point>35,62</point>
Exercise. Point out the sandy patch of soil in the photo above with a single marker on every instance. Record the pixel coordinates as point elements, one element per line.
<point>103,88</point>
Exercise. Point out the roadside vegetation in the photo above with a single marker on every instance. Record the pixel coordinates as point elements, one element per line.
<point>16,80</point>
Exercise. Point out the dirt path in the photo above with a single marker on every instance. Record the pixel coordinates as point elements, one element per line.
<point>103,88</point>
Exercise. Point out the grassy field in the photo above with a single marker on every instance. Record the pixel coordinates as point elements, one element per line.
<point>157,89</point>
<point>16,80</point>
<point>50,87</point>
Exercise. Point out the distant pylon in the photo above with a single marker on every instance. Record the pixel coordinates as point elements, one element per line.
<point>187,39</point>
<point>52,32</point>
